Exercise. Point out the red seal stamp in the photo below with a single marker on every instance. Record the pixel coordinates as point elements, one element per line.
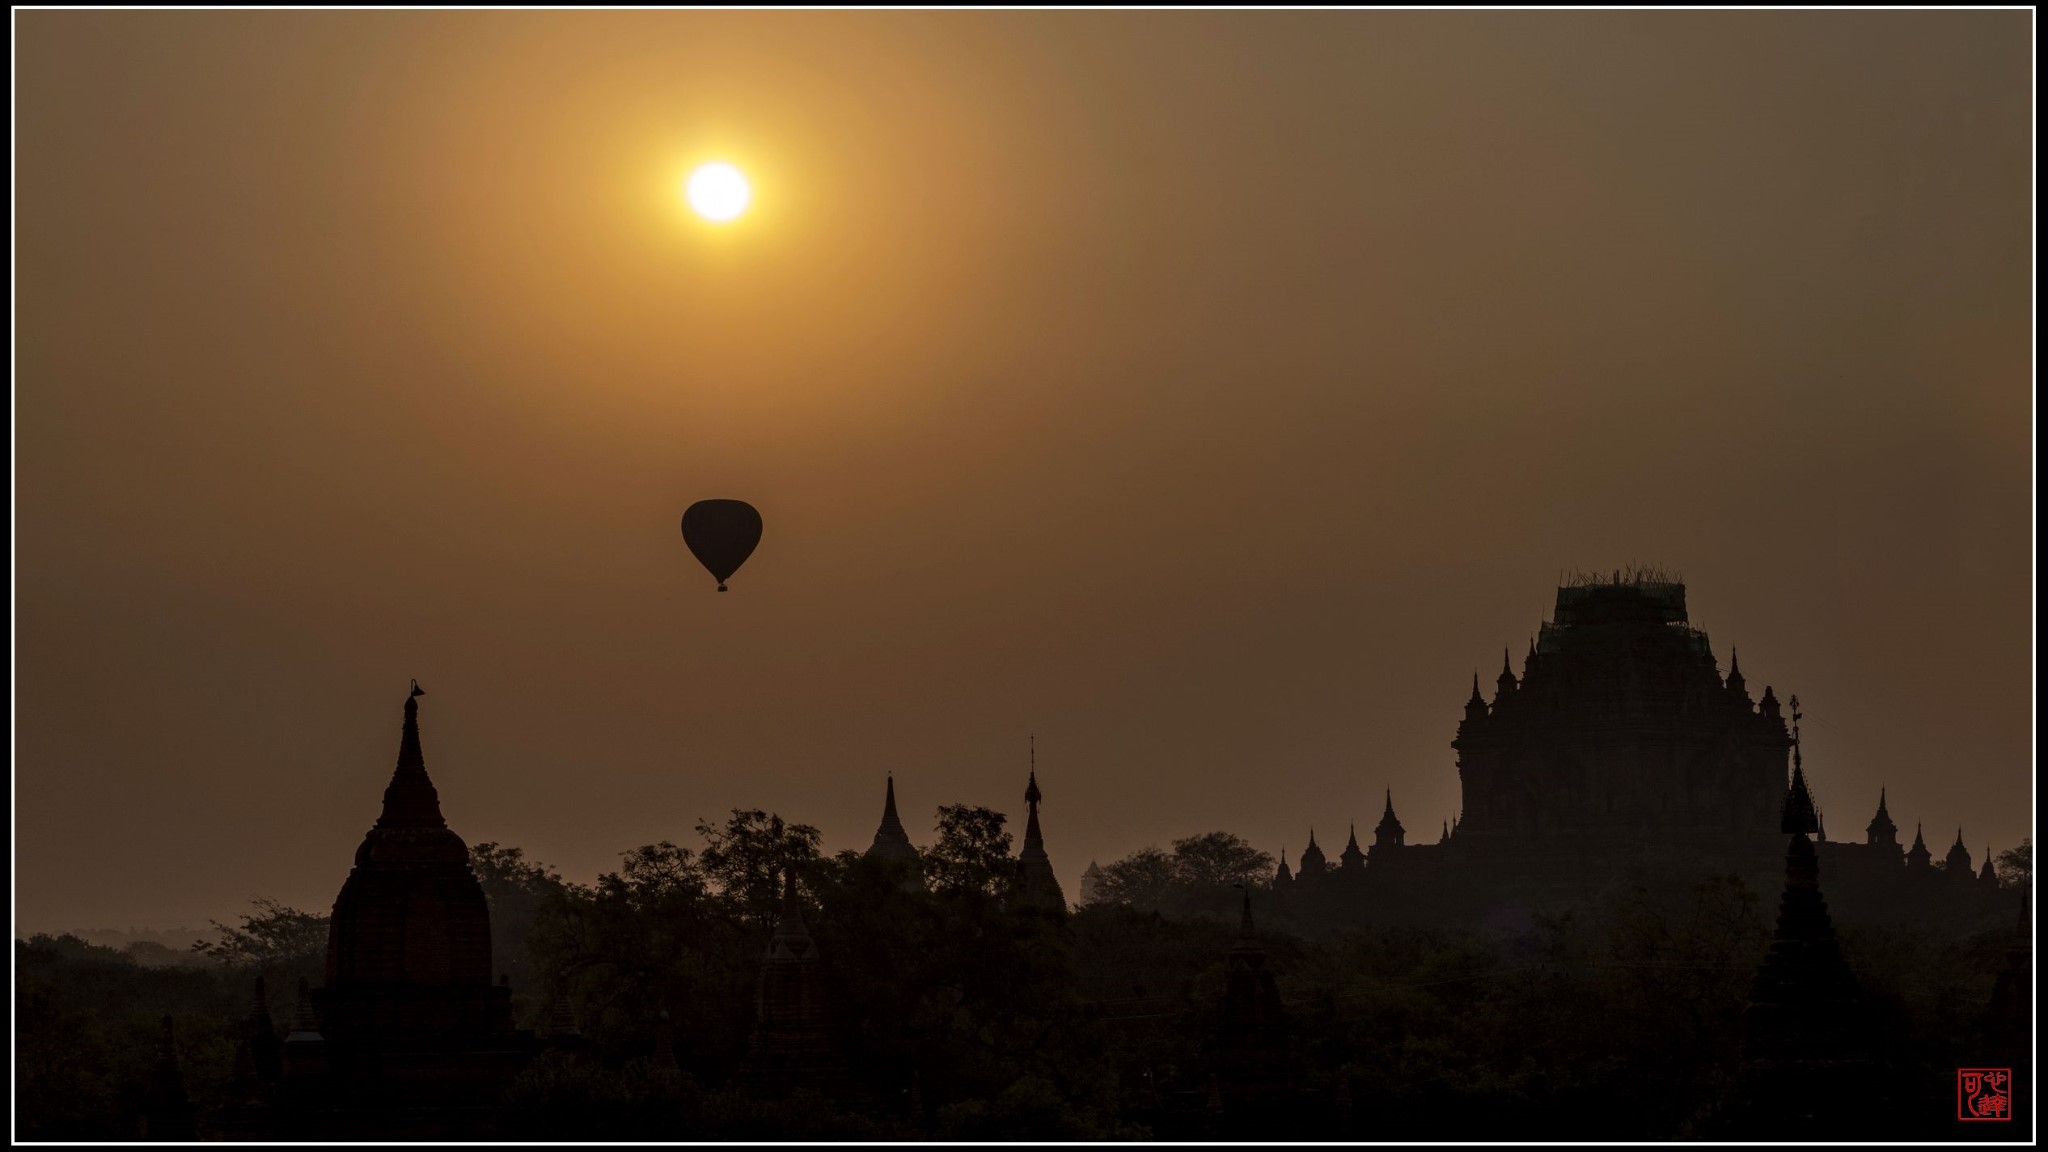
<point>1983,1093</point>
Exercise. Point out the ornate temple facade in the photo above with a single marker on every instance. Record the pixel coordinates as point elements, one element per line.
<point>1620,749</point>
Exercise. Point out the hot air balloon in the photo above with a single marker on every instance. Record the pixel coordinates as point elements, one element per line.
<point>721,535</point>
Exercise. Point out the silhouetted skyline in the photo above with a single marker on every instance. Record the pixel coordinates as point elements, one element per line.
<point>1209,394</point>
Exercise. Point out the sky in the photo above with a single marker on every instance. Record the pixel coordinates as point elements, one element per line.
<point>1208,394</point>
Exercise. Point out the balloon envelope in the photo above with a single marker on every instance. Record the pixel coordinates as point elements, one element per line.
<point>721,535</point>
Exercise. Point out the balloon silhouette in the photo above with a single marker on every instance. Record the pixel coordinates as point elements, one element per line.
<point>721,535</point>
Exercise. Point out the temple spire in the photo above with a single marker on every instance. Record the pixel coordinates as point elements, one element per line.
<point>1040,885</point>
<point>1475,707</point>
<point>891,841</point>
<point>410,800</point>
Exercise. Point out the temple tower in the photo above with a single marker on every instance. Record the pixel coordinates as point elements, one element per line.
<point>1620,737</point>
<point>1314,866</point>
<point>1351,863</point>
<point>1388,836</point>
<point>791,1042</point>
<point>892,844</point>
<point>409,946</point>
<point>1253,1072</point>
<point>1918,857</point>
<point>1037,884</point>
<point>1091,883</point>
<point>1805,1056</point>
<point>1957,863</point>
<point>1881,832</point>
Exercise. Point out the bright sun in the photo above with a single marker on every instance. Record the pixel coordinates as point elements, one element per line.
<point>718,192</point>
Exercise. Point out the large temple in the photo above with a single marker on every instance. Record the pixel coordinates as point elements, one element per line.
<point>409,1037</point>
<point>1620,750</point>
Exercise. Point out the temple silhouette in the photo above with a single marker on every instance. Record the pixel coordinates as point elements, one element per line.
<point>1620,752</point>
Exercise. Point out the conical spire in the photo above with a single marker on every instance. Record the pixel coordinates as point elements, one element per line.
<point>1389,833</point>
<point>1958,859</point>
<point>1881,830</point>
<point>1475,707</point>
<point>1245,931</point>
<point>1506,684</point>
<point>1798,814</point>
<point>1918,856</point>
<point>410,800</point>
<point>1039,886</point>
<point>1351,859</point>
<point>891,841</point>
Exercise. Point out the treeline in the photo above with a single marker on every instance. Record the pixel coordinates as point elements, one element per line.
<point>966,1014</point>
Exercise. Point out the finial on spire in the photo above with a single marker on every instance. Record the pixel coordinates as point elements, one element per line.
<point>416,690</point>
<point>1390,802</point>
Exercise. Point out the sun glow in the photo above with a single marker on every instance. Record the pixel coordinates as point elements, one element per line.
<point>718,192</point>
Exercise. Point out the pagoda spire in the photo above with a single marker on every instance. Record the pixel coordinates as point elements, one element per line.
<point>1388,834</point>
<point>1737,686</point>
<point>1957,863</point>
<point>1881,831</point>
<point>1039,883</point>
<point>1352,859</point>
<point>1475,707</point>
<point>891,841</point>
<point>1505,685</point>
<point>1918,856</point>
<point>1804,1010</point>
<point>410,800</point>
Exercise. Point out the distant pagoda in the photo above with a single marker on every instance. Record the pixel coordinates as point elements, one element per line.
<point>1036,883</point>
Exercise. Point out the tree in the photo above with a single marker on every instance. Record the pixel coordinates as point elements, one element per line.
<point>2016,865</point>
<point>274,936</point>
<point>1143,880</point>
<point>746,857</point>
<point>515,887</point>
<point>972,852</point>
<point>1219,859</point>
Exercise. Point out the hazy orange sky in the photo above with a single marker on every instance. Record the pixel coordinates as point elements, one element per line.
<point>1208,393</point>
